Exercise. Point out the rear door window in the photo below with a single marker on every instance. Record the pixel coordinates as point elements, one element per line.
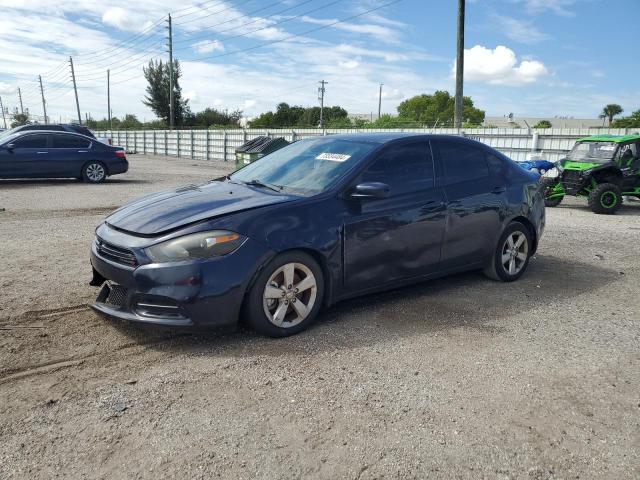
<point>36,140</point>
<point>70,141</point>
<point>463,162</point>
<point>405,168</point>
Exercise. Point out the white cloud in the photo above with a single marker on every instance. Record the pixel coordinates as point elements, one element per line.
<point>349,64</point>
<point>208,46</point>
<point>380,32</point>
<point>520,31</point>
<point>391,94</point>
<point>124,20</point>
<point>5,88</point>
<point>559,7</point>
<point>500,66</point>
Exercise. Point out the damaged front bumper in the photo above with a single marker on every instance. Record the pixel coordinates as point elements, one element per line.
<point>203,293</point>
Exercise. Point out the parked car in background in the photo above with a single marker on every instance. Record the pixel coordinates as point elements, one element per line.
<point>318,221</point>
<point>58,127</point>
<point>57,154</point>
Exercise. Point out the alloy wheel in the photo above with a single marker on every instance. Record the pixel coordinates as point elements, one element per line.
<point>95,172</point>
<point>514,253</point>
<point>290,295</point>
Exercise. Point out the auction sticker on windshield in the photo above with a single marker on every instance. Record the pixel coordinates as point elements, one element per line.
<point>333,157</point>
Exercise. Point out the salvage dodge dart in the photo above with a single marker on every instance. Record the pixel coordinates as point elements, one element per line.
<point>316,222</point>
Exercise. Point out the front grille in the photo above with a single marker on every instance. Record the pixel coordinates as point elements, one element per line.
<point>117,296</point>
<point>572,183</point>
<point>116,254</point>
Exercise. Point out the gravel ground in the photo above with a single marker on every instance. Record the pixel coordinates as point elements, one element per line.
<point>455,378</point>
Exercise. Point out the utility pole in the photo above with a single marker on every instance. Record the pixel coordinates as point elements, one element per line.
<point>44,104</point>
<point>75,89</point>
<point>459,66</point>
<point>170,45</point>
<point>109,98</point>
<point>380,101</point>
<point>20,97</point>
<point>321,91</point>
<point>4,119</point>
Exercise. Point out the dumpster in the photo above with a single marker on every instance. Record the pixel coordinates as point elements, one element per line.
<point>257,148</point>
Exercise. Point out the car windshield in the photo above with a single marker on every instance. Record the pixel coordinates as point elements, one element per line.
<point>593,152</point>
<point>307,167</point>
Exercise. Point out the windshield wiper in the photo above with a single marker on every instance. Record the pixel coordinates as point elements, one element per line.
<point>259,183</point>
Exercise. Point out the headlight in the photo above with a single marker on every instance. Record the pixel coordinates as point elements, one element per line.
<point>551,173</point>
<point>196,245</point>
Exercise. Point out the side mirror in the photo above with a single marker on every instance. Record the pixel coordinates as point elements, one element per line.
<point>10,146</point>
<point>370,190</point>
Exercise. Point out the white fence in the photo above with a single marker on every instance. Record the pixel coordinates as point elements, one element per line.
<point>518,144</point>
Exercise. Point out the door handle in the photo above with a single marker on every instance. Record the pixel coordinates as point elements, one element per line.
<point>499,189</point>
<point>40,153</point>
<point>83,151</point>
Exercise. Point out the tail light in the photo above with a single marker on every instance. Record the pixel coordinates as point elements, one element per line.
<point>120,154</point>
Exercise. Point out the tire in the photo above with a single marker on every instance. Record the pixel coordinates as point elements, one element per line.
<point>606,198</point>
<point>546,184</point>
<point>514,248</point>
<point>286,296</point>
<point>94,172</point>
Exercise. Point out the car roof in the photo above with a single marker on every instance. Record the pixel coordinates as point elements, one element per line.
<point>385,137</point>
<point>57,132</point>
<point>610,138</point>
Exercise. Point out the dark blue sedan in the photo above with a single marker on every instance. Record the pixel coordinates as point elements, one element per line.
<point>316,222</point>
<point>52,154</point>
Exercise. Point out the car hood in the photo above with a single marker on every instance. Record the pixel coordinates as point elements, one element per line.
<point>163,212</point>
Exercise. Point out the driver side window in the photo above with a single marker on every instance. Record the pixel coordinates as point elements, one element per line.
<point>405,168</point>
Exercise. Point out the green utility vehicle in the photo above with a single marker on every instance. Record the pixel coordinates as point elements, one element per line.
<point>603,168</point>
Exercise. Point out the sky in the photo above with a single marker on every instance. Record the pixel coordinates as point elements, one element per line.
<point>541,58</point>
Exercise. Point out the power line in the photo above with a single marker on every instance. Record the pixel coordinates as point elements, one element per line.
<point>313,30</point>
<point>255,47</point>
<point>271,25</point>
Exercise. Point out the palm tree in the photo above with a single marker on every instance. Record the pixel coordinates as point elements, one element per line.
<point>611,111</point>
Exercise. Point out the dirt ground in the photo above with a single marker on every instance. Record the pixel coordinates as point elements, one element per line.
<point>454,378</point>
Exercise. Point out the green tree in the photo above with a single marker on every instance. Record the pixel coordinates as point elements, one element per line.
<point>632,121</point>
<point>210,117</point>
<point>297,116</point>
<point>157,99</point>
<point>543,124</point>
<point>20,119</point>
<point>610,111</point>
<point>439,107</point>
<point>130,121</point>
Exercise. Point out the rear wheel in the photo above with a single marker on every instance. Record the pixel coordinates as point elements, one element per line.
<point>511,257</point>
<point>287,295</point>
<point>548,185</point>
<point>606,198</point>
<point>94,172</point>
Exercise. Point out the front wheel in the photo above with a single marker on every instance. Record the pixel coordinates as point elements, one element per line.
<point>511,257</point>
<point>548,186</point>
<point>94,172</point>
<point>605,198</point>
<point>286,296</point>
